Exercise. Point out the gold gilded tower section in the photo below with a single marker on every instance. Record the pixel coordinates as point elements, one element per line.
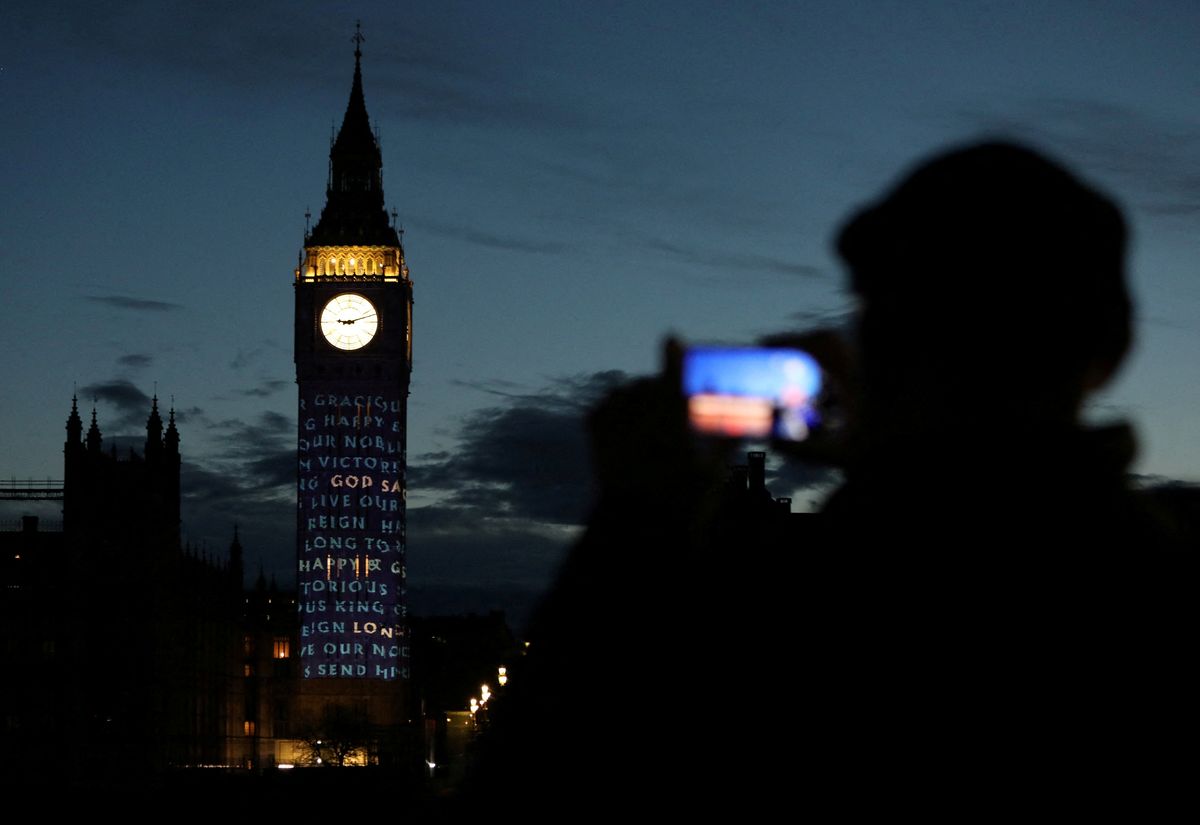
<point>352,263</point>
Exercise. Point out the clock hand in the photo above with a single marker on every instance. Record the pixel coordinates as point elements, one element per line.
<point>352,320</point>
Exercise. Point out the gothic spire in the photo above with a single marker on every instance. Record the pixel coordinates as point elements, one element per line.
<point>93,435</point>
<point>354,210</point>
<point>154,430</point>
<point>74,423</point>
<point>171,439</point>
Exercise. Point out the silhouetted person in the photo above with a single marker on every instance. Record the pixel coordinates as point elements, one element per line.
<point>987,617</point>
<point>1019,611</point>
<point>992,301</point>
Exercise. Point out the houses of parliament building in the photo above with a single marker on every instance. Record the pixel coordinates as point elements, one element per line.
<point>123,646</point>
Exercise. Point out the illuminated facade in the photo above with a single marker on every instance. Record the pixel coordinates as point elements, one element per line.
<point>353,351</point>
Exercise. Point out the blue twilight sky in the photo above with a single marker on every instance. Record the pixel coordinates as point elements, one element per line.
<point>575,179</point>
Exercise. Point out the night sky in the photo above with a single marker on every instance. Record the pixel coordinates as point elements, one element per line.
<point>574,180</point>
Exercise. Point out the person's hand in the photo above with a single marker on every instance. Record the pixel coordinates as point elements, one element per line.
<point>641,444</point>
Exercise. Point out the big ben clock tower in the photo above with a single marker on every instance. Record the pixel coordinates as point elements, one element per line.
<point>353,359</point>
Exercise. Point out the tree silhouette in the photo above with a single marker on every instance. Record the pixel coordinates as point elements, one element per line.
<point>334,736</point>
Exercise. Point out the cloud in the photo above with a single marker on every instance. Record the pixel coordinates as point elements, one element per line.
<point>425,63</point>
<point>490,240</point>
<point>188,415</point>
<point>136,304</point>
<point>492,386</point>
<point>215,499</point>
<point>1151,158</point>
<point>133,408</point>
<point>260,475</point>
<point>217,42</point>
<point>526,458</point>
<point>248,479</point>
<point>132,405</point>
<point>274,469</point>
<point>736,261</point>
<point>135,360</point>
<point>259,453</point>
<point>244,358</point>
<point>460,563</point>
<point>457,98</point>
<point>266,389</point>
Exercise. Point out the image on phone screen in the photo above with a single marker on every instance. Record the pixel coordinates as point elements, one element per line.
<point>748,392</point>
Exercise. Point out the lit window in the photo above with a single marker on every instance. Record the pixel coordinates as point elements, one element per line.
<point>248,727</point>
<point>282,648</point>
<point>248,670</point>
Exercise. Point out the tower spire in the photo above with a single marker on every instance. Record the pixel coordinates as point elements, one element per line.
<point>354,210</point>
<point>171,439</point>
<point>74,423</point>
<point>154,429</point>
<point>93,436</point>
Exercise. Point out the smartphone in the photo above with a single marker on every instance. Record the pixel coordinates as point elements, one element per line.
<point>752,392</point>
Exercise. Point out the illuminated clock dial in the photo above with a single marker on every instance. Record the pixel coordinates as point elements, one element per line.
<point>349,321</point>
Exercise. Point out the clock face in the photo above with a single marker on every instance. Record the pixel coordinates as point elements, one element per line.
<point>349,321</point>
